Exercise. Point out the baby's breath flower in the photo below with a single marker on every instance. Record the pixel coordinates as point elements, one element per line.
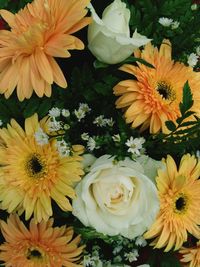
<point>54,112</point>
<point>91,144</point>
<point>116,138</point>
<point>80,114</point>
<point>117,249</point>
<point>198,51</point>
<point>65,113</point>
<point>175,25</point>
<point>131,256</point>
<point>165,22</point>
<point>140,241</point>
<point>192,60</point>
<point>85,136</point>
<point>1,123</point>
<point>100,121</point>
<point>117,259</point>
<point>63,148</point>
<point>194,7</point>
<point>66,127</point>
<point>84,107</point>
<point>135,145</point>
<point>54,125</point>
<point>110,122</point>
<point>41,137</point>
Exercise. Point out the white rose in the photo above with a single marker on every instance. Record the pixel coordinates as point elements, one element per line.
<point>109,38</point>
<point>117,197</point>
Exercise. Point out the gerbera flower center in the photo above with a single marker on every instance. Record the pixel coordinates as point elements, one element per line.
<point>34,253</point>
<point>166,91</point>
<point>35,166</point>
<point>180,204</point>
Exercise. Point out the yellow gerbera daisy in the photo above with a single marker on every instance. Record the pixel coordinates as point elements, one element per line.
<point>32,174</point>
<point>39,246</point>
<point>39,32</point>
<point>154,97</point>
<point>191,256</point>
<point>179,194</point>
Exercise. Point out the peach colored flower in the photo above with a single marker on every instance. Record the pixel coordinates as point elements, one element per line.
<point>39,32</point>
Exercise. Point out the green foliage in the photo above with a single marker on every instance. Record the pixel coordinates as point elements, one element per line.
<point>184,135</point>
<point>146,13</point>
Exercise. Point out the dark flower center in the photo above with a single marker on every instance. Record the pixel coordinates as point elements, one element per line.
<point>35,166</point>
<point>33,254</point>
<point>166,91</point>
<point>180,203</point>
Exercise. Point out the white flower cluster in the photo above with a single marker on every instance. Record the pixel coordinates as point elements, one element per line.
<point>1,123</point>
<point>193,58</point>
<point>167,22</point>
<point>101,121</point>
<point>63,148</point>
<point>81,112</point>
<point>132,255</point>
<point>54,124</point>
<point>41,137</point>
<point>135,145</point>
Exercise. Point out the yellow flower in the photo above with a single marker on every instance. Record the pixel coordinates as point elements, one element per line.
<point>179,193</point>
<point>39,32</point>
<point>191,256</point>
<point>154,97</point>
<point>32,174</point>
<point>40,245</point>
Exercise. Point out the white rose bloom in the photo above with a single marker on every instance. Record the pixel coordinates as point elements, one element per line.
<point>109,38</point>
<point>117,197</point>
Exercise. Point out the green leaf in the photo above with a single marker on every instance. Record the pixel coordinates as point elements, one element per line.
<point>187,100</point>
<point>169,260</point>
<point>170,125</point>
<point>99,65</point>
<point>132,59</point>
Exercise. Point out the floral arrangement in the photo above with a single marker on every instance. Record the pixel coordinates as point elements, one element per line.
<point>100,148</point>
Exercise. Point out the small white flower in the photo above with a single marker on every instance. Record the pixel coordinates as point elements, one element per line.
<point>198,51</point>
<point>80,114</point>
<point>63,148</point>
<point>84,107</point>
<point>116,138</point>
<point>140,241</point>
<point>91,144</point>
<point>144,265</point>
<point>135,145</point>
<point>192,60</point>
<point>175,25</point>
<point>110,122</point>
<point>131,256</point>
<point>198,154</point>
<point>117,249</point>
<point>88,261</point>
<point>65,113</point>
<point>41,137</point>
<point>194,7</point>
<point>54,125</point>
<point>1,123</point>
<point>100,121</point>
<point>117,259</point>
<point>165,22</point>
<point>66,126</point>
<point>85,136</point>
<point>54,112</point>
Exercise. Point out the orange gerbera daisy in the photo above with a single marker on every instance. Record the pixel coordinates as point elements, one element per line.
<point>179,193</point>
<point>41,246</point>
<point>32,174</point>
<point>39,32</point>
<point>154,97</point>
<point>191,256</point>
